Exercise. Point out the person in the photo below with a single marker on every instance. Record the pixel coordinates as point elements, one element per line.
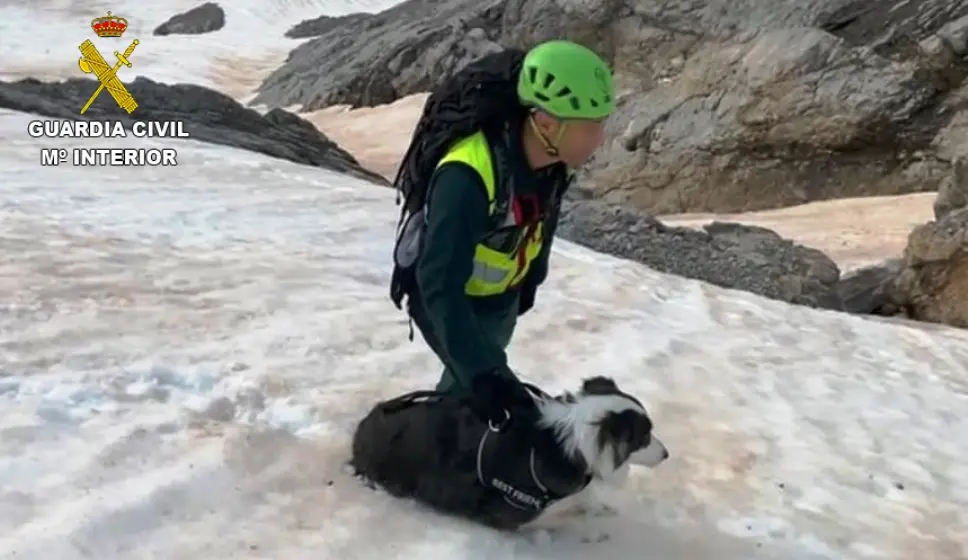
<point>476,274</point>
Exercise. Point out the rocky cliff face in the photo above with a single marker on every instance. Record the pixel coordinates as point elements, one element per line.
<point>726,106</point>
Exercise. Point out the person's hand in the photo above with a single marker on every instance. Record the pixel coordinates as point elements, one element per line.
<point>499,398</point>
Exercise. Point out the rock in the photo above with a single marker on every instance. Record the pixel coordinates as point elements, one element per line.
<point>372,59</point>
<point>221,409</point>
<point>735,256</point>
<point>953,192</point>
<point>889,25</point>
<point>208,115</point>
<point>933,283</point>
<point>726,106</point>
<point>952,141</point>
<point>956,34</point>
<point>866,291</point>
<point>324,24</point>
<point>205,18</point>
<point>786,117</point>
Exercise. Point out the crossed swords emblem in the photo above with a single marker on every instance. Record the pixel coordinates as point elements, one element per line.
<point>92,61</point>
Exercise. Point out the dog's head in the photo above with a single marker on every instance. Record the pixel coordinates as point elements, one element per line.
<point>604,426</point>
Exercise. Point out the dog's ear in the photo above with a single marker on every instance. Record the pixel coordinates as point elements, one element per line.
<point>599,386</point>
<point>627,427</point>
<point>623,433</point>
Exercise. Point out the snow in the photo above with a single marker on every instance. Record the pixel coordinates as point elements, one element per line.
<point>233,59</point>
<point>185,351</point>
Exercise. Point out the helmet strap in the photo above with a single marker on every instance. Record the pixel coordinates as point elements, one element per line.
<point>551,147</point>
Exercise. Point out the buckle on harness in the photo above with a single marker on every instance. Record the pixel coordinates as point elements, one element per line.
<point>501,425</point>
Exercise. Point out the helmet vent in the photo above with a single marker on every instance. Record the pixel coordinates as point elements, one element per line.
<point>593,103</point>
<point>575,104</point>
<point>532,74</point>
<point>549,79</point>
<point>541,97</point>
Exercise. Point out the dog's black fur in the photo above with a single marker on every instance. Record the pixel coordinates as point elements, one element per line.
<point>427,448</point>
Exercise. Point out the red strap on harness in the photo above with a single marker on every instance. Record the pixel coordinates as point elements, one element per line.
<point>532,227</point>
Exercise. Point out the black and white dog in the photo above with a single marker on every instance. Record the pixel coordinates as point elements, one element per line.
<point>432,448</point>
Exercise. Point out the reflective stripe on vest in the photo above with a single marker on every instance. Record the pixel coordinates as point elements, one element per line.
<point>494,272</point>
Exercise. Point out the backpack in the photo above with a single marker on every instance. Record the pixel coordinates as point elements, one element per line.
<point>481,96</point>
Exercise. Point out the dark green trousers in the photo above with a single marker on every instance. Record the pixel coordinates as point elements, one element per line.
<point>496,320</point>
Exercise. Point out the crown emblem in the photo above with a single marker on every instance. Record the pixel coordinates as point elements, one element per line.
<point>109,26</point>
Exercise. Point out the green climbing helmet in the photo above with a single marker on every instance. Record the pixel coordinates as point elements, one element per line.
<point>567,81</point>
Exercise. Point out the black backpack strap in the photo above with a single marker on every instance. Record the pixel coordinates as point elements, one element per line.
<point>483,93</point>
<point>498,142</point>
<point>565,181</point>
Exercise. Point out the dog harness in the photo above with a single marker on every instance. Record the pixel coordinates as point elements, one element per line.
<point>517,496</point>
<point>513,494</point>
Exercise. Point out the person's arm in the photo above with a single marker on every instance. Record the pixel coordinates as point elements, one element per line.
<point>458,219</point>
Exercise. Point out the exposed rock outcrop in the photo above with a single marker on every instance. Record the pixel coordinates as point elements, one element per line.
<point>930,282</point>
<point>726,106</point>
<point>730,255</point>
<point>786,117</point>
<point>204,18</point>
<point>867,291</point>
<point>208,115</point>
<point>953,193</point>
<point>933,284</point>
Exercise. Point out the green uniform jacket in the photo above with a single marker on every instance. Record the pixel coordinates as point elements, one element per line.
<point>465,331</point>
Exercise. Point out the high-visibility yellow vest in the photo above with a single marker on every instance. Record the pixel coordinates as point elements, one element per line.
<point>494,272</point>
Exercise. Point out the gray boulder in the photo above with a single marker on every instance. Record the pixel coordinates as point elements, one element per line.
<point>928,283</point>
<point>955,33</point>
<point>953,193</point>
<point>734,256</point>
<point>867,290</point>
<point>952,141</point>
<point>205,18</point>
<point>782,118</point>
<point>208,115</point>
<point>933,282</point>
